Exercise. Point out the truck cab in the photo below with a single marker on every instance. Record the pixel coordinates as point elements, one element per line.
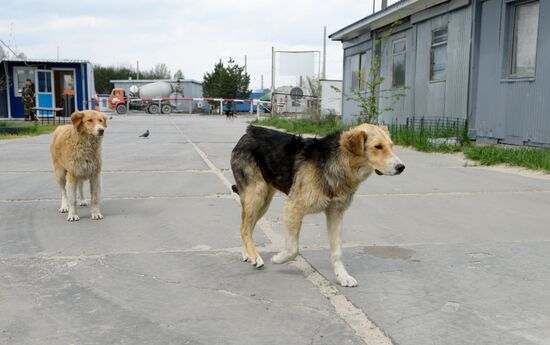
<point>117,101</point>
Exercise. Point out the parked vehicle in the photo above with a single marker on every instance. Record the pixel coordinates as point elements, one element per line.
<point>155,98</point>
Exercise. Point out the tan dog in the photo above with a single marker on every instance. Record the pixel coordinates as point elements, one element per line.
<point>318,175</point>
<point>76,157</point>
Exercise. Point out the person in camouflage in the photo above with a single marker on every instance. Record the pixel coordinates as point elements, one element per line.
<point>28,100</point>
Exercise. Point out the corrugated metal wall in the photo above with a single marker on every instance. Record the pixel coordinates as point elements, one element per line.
<point>404,107</point>
<point>511,111</point>
<point>447,97</point>
<point>458,63</point>
<point>350,109</point>
<point>424,98</point>
<point>429,96</point>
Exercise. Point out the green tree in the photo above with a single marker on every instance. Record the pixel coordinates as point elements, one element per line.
<point>104,74</point>
<point>227,81</point>
<point>179,74</point>
<point>160,71</point>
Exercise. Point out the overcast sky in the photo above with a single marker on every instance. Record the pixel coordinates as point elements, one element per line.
<point>187,35</point>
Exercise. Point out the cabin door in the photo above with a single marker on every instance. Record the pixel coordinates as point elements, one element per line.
<point>44,92</point>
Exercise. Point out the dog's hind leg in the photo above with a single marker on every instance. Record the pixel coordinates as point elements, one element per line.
<point>293,222</point>
<point>255,200</point>
<point>334,227</point>
<point>60,177</point>
<point>81,197</point>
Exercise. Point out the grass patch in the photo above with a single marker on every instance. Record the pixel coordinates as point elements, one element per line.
<point>528,157</point>
<point>303,126</point>
<point>27,129</point>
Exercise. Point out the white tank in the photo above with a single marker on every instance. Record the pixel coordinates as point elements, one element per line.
<point>134,89</point>
<point>155,90</point>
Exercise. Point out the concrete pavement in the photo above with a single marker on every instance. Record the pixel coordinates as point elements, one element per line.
<point>444,254</point>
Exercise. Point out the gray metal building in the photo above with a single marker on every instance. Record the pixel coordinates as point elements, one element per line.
<point>481,60</point>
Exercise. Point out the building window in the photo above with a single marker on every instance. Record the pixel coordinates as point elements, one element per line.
<point>525,22</point>
<point>438,55</point>
<point>363,71</point>
<point>399,53</point>
<point>22,74</point>
<point>358,67</point>
<point>44,81</point>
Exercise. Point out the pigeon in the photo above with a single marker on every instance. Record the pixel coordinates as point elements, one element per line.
<point>145,135</point>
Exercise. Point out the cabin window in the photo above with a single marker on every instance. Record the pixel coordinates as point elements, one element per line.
<point>354,61</point>
<point>399,52</point>
<point>363,71</point>
<point>524,23</point>
<point>358,65</point>
<point>22,74</point>
<point>438,55</point>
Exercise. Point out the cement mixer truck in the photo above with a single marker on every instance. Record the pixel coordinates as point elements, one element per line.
<point>154,98</point>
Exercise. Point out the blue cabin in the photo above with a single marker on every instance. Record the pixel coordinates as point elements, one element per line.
<point>67,84</point>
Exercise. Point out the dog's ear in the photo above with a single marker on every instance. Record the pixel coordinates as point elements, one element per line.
<point>76,118</point>
<point>354,142</point>
<point>104,119</point>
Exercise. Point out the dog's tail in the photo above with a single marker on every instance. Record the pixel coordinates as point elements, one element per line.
<point>235,189</point>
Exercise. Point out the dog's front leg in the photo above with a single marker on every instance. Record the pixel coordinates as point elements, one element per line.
<point>95,191</point>
<point>334,226</point>
<point>70,189</point>
<point>82,201</point>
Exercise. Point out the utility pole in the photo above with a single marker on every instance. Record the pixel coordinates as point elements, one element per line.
<point>324,74</point>
<point>262,82</point>
<point>137,69</point>
<point>244,63</point>
<point>272,69</point>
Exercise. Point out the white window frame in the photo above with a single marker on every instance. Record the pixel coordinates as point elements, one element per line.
<point>363,70</point>
<point>393,55</point>
<point>75,86</point>
<point>436,45</point>
<point>16,86</point>
<point>511,51</point>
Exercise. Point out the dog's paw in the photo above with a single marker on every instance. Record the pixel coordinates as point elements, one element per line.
<point>97,216</point>
<point>83,202</point>
<point>63,209</point>
<point>283,257</point>
<point>259,263</point>
<point>346,280</point>
<point>244,256</point>
<point>73,218</point>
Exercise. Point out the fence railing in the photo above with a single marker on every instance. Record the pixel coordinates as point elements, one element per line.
<point>431,130</point>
